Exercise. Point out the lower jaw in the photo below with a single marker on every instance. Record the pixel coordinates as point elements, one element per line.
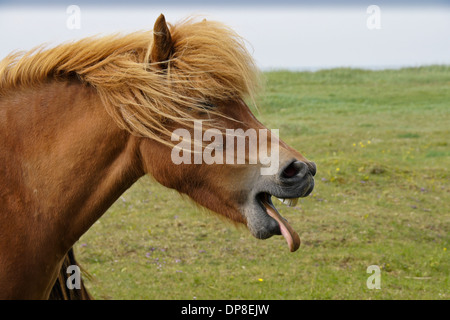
<point>292,238</point>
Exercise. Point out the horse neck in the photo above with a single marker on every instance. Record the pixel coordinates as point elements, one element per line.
<point>71,160</point>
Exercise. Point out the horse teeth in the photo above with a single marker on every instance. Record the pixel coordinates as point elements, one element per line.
<point>290,202</point>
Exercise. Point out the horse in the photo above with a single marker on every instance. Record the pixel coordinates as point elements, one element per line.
<point>81,122</point>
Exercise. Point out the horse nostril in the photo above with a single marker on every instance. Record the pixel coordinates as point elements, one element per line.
<point>293,169</point>
<point>296,168</point>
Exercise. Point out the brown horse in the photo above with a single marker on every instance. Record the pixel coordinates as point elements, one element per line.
<point>83,121</point>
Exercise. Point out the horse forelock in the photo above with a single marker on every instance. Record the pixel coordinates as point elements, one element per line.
<point>209,62</point>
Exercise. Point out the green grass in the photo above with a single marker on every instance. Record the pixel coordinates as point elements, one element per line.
<point>380,140</point>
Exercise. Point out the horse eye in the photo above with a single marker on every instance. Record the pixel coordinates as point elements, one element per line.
<point>207,105</point>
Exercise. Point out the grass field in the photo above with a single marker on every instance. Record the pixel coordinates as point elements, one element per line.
<point>380,140</point>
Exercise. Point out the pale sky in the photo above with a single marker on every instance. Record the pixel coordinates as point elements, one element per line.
<point>286,36</point>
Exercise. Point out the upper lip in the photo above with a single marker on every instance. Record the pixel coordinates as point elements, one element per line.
<point>297,187</point>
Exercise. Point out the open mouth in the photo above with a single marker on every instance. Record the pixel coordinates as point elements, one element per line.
<point>263,220</point>
<point>292,238</point>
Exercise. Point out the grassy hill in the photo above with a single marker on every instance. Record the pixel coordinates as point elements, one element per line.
<point>380,140</point>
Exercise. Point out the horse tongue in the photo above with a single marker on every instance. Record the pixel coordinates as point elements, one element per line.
<point>292,238</point>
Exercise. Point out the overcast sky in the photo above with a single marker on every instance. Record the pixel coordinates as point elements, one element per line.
<point>284,34</point>
<point>233,3</point>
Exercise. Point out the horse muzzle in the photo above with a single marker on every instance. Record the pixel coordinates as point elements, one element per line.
<point>295,180</point>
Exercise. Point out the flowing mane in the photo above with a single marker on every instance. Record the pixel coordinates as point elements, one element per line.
<point>65,161</point>
<point>208,62</point>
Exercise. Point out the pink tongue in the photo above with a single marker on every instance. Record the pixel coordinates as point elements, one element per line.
<point>288,233</point>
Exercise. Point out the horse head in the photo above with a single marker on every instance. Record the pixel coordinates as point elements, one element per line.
<point>222,157</point>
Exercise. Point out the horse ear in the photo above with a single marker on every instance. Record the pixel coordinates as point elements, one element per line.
<point>162,41</point>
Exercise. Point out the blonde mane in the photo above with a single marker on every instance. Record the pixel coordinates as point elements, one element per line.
<point>209,63</point>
